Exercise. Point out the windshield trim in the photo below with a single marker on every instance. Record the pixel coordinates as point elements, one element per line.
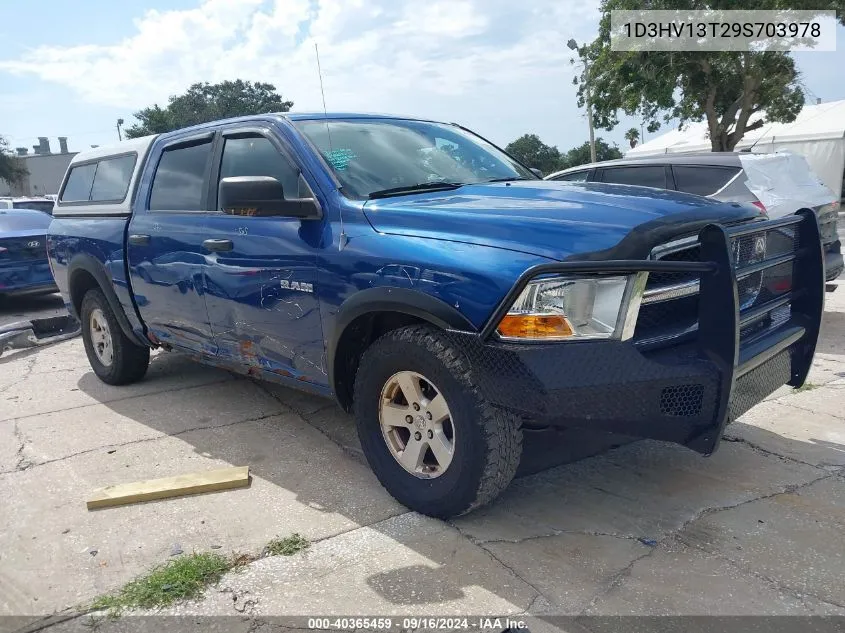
<point>531,174</point>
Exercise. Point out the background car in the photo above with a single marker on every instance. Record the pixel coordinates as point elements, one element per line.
<point>24,268</point>
<point>778,184</point>
<point>44,204</point>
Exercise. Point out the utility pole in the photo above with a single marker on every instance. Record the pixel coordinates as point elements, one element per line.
<point>589,113</point>
<point>119,123</point>
<point>573,46</point>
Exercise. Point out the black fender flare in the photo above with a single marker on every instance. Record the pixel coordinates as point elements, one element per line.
<point>94,267</point>
<point>388,299</point>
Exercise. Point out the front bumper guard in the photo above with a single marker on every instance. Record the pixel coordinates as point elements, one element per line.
<point>687,393</point>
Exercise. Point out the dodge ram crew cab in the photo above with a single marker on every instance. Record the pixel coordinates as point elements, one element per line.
<point>435,287</point>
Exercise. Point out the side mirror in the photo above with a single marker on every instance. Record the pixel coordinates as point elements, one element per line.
<point>537,172</point>
<point>263,196</point>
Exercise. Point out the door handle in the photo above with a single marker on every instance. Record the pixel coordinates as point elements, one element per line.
<point>139,240</point>
<point>218,245</point>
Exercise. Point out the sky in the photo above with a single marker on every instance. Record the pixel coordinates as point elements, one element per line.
<point>499,67</point>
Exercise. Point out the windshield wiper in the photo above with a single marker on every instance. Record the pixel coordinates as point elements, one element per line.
<point>508,179</point>
<point>423,186</point>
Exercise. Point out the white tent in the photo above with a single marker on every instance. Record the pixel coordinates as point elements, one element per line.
<point>818,134</point>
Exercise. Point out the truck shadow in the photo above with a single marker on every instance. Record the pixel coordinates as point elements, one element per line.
<point>570,483</point>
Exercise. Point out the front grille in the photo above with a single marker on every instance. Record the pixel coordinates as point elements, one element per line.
<point>671,304</point>
<point>667,320</point>
<point>690,253</point>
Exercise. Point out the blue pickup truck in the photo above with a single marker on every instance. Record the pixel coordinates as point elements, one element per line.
<point>435,287</point>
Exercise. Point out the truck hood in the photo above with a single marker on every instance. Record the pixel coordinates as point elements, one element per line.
<point>551,219</point>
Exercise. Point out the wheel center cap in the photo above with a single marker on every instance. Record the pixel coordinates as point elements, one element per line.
<point>419,422</point>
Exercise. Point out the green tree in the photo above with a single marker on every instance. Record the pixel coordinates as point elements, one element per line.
<point>725,89</point>
<point>581,155</point>
<point>633,137</point>
<point>205,102</point>
<point>12,170</point>
<point>531,151</point>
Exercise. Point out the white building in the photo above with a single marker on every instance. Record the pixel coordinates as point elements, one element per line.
<point>46,170</point>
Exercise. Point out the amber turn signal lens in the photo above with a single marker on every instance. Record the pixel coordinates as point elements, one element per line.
<point>534,326</point>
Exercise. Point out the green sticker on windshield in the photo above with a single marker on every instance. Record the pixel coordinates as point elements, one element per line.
<point>340,158</point>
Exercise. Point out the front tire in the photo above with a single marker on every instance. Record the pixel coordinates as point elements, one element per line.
<point>457,452</point>
<point>114,358</point>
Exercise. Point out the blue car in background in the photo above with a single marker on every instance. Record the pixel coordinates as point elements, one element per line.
<point>24,268</point>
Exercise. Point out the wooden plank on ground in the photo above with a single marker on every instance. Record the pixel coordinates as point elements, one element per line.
<point>189,484</point>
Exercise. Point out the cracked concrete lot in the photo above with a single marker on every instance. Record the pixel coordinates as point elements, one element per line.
<point>613,527</point>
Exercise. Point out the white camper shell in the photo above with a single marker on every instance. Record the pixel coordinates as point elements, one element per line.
<point>102,181</point>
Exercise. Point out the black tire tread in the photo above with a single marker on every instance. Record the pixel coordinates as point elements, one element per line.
<point>130,361</point>
<point>501,429</point>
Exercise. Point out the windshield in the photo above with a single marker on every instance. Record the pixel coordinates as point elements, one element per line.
<point>374,155</point>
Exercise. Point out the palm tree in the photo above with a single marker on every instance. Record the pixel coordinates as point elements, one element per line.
<point>632,136</point>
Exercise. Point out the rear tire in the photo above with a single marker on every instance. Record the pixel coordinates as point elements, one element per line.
<point>114,358</point>
<point>480,444</point>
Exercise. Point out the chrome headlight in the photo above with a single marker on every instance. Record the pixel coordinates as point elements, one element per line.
<point>560,308</point>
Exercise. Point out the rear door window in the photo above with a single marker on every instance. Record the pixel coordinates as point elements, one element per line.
<point>646,176</point>
<point>111,180</point>
<point>79,183</point>
<point>179,181</point>
<point>703,180</point>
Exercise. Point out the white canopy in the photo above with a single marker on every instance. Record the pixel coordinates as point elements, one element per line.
<point>818,134</point>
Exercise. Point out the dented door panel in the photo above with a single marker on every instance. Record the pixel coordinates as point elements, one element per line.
<point>260,295</point>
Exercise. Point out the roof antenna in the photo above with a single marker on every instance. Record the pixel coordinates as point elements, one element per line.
<point>748,149</point>
<point>342,241</point>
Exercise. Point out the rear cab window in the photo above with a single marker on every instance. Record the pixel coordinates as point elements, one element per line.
<point>112,178</point>
<point>703,180</point>
<point>103,180</point>
<point>79,183</point>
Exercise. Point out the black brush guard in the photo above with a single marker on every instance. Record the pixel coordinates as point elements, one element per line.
<point>685,394</point>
